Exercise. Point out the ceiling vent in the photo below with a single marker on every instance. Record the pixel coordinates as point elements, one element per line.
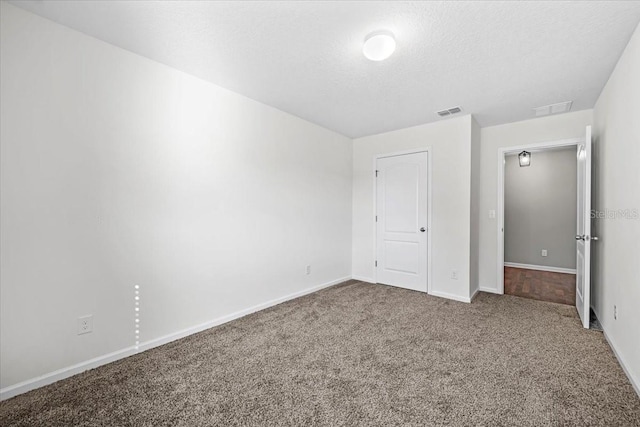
<point>560,107</point>
<point>449,111</point>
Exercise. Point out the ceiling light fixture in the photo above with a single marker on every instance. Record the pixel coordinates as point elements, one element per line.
<point>524,158</point>
<point>379,45</point>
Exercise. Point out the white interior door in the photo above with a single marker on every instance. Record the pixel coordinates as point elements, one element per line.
<point>583,234</point>
<point>401,215</point>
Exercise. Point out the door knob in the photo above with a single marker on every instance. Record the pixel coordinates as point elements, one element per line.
<point>594,238</point>
<point>579,237</point>
<point>422,229</point>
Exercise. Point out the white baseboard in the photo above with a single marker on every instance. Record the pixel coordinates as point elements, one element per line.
<point>363,279</point>
<point>541,268</point>
<point>60,374</point>
<point>69,371</point>
<point>489,290</point>
<point>634,382</point>
<point>475,293</point>
<point>450,296</point>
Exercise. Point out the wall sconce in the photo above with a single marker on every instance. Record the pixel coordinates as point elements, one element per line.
<point>524,159</point>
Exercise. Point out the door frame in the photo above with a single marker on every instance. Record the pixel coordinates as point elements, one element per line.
<point>429,208</point>
<point>502,152</point>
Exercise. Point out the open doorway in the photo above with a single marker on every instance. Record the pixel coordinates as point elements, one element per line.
<point>583,237</point>
<point>540,199</point>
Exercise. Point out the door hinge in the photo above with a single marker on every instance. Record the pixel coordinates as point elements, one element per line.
<point>377,173</point>
<point>376,263</point>
<point>376,218</point>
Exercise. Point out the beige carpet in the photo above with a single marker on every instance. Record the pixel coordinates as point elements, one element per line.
<point>358,354</point>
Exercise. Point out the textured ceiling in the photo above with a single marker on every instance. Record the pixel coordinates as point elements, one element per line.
<point>497,60</point>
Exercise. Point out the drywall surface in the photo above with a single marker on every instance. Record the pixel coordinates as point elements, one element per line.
<point>118,171</point>
<point>616,272</point>
<point>449,151</point>
<point>540,209</point>
<point>495,58</point>
<point>551,128</point>
<point>475,207</point>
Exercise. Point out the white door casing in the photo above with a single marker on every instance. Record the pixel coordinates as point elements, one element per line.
<point>583,232</point>
<point>401,214</point>
<point>502,152</point>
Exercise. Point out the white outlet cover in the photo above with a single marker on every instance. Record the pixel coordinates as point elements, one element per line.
<point>544,252</point>
<point>85,324</point>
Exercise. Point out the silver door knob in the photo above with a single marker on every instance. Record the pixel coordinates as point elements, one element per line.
<point>594,238</point>
<point>579,237</point>
<point>422,229</point>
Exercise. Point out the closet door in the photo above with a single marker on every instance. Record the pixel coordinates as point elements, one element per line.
<point>401,227</point>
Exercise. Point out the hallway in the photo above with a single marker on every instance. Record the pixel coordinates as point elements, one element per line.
<point>540,285</point>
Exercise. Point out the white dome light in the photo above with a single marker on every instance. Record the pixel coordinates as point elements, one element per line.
<point>379,45</point>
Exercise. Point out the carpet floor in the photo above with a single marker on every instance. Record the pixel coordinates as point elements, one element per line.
<point>357,354</point>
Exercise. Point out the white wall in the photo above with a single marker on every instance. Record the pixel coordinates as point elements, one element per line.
<point>118,171</point>
<point>475,207</point>
<point>540,208</point>
<point>616,276</point>
<point>449,142</point>
<point>551,128</point>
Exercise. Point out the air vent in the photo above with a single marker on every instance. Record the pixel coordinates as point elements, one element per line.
<point>560,107</point>
<point>449,111</point>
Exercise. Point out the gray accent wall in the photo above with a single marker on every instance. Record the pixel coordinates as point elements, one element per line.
<point>540,209</point>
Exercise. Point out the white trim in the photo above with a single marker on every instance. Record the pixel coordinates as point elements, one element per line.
<point>502,152</point>
<point>60,374</point>
<point>489,290</point>
<point>541,268</point>
<point>430,215</point>
<point>500,221</point>
<point>450,296</point>
<point>634,382</point>
<point>69,371</point>
<point>374,213</point>
<point>363,279</point>
<point>403,152</point>
<point>475,294</point>
<point>427,150</point>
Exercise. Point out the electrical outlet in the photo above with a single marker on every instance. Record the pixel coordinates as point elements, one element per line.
<point>544,252</point>
<point>492,214</point>
<point>454,274</point>
<point>615,312</point>
<point>85,324</point>
<point>308,270</point>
